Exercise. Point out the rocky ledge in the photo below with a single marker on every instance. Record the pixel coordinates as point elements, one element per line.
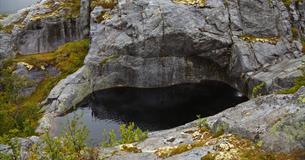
<point>254,46</point>
<point>43,27</point>
<point>162,43</point>
<point>274,122</point>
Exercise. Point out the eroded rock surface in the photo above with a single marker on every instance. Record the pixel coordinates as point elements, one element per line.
<point>157,43</point>
<point>277,120</point>
<point>161,43</point>
<point>46,25</point>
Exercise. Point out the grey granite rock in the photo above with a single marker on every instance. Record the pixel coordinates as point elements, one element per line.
<point>34,32</point>
<point>161,43</point>
<point>6,46</point>
<point>276,120</point>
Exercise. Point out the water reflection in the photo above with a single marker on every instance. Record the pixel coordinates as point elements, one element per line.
<point>152,109</point>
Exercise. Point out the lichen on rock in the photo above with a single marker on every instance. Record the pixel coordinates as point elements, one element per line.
<point>200,3</point>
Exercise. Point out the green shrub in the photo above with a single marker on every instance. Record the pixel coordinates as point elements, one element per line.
<point>69,146</point>
<point>128,133</point>
<point>202,122</point>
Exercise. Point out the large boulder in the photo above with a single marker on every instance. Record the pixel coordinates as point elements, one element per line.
<point>276,120</point>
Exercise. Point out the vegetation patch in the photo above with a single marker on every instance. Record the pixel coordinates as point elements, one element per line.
<point>226,146</point>
<point>298,82</point>
<point>69,146</point>
<point>257,90</point>
<point>128,133</point>
<point>109,59</point>
<point>70,8</point>
<point>287,3</point>
<point>18,23</point>
<point>2,16</point>
<point>234,147</point>
<point>252,39</point>
<point>107,4</point>
<point>199,3</point>
<point>19,115</point>
<point>103,16</point>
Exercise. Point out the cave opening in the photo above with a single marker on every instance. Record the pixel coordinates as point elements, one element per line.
<point>150,109</point>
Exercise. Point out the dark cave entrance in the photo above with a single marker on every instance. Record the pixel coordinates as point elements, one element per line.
<point>152,108</point>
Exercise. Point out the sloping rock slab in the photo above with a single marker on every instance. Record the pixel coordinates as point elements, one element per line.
<point>276,120</point>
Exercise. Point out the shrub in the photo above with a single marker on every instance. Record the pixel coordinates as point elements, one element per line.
<point>128,133</point>
<point>69,146</point>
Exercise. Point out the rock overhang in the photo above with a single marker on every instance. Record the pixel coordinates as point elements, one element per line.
<point>138,46</point>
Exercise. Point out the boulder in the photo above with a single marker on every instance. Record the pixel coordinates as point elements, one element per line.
<point>276,120</point>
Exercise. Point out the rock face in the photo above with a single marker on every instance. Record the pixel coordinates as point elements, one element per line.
<point>24,144</point>
<point>33,75</point>
<point>46,25</point>
<point>276,120</point>
<point>5,46</point>
<point>157,43</point>
<point>161,43</point>
<point>46,35</point>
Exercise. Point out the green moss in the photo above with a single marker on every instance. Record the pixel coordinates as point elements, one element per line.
<point>19,115</point>
<point>295,32</point>
<point>256,91</point>
<point>287,3</point>
<point>110,4</point>
<point>9,28</point>
<point>109,59</point>
<point>298,82</point>
<point>73,7</point>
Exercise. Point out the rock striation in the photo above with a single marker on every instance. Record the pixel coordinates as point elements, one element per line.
<point>45,26</point>
<point>161,43</point>
<point>254,46</point>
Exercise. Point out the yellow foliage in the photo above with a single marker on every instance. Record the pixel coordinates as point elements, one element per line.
<point>110,4</point>
<point>200,3</point>
<point>251,38</point>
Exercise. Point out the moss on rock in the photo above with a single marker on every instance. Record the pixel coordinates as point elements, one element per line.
<point>200,3</point>
<point>20,116</point>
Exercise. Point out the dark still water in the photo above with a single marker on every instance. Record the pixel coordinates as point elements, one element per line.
<point>151,109</point>
<point>11,6</point>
